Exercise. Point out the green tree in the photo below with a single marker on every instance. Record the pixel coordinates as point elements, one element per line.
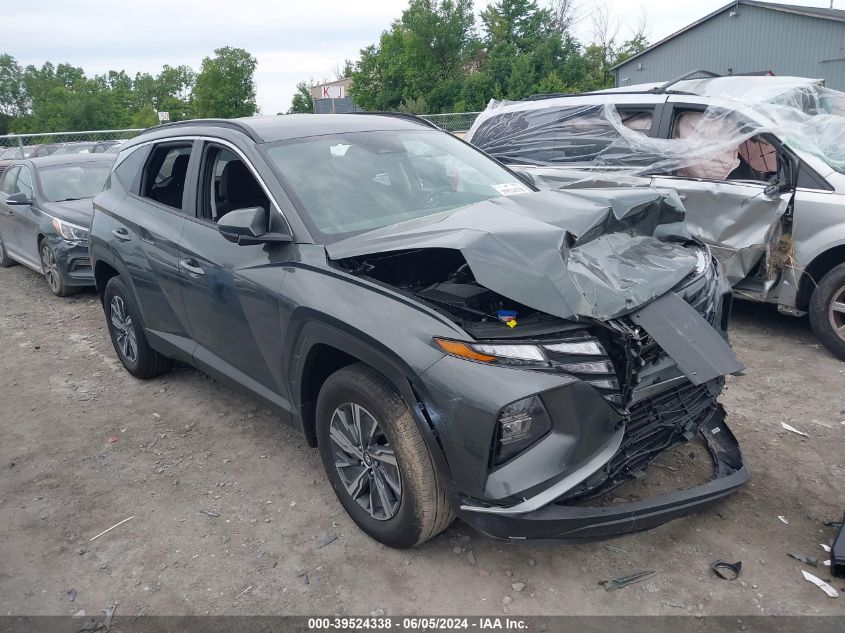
<point>12,90</point>
<point>422,55</point>
<point>225,85</point>
<point>302,103</point>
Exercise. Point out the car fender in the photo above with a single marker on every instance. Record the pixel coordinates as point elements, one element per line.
<point>309,329</point>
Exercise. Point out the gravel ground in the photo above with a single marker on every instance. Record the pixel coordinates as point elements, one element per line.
<point>230,507</point>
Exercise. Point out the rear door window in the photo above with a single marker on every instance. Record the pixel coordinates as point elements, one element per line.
<point>559,134</point>
<point>9,179</point>
<point>165,174</point>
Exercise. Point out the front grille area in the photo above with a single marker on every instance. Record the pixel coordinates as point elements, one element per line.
<point>652,426</point>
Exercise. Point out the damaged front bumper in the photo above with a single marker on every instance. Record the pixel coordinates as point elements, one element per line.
<point>570,523</point>
<point>73,261</point>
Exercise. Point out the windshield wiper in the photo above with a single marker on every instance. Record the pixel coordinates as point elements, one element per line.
<point>69,199</point>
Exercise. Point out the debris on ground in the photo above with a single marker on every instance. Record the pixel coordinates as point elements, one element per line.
<point>112,527</point>
<point>725,570</point>
<point>243,592</point>
<point>821,584</point>
<point>783,519</point>
<point>825,547</point>
<point>109,615</point>
<point>377,612</point>
<point>71,595</point>
<point>518,586</point>
<point>331,538</point>
<point>213,515</point>
<point>112,439</point>
<point>837,554</point>
<point>792,429</point>
<point>624,581</point>
<point>618,550</point>
<point>809,560</point>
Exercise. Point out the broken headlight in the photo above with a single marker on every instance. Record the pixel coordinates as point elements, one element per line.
<point>519,426</point>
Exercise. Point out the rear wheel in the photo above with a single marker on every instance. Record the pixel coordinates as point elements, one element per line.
<point>377,460</point>
<point>52,272</point>
<point>5,260</point>
<point>827,311</point>
<point>127,335</point>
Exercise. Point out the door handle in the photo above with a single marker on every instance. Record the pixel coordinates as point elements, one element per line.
<point>191,266</point>
<point>121,234</point>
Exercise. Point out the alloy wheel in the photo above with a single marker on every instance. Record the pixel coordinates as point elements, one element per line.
<point>51,268</point>
<point>836,312</point>
<point>124,330</point>
<point>365,461</point>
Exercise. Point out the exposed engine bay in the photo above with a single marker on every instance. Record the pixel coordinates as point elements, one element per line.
<point>442,278</point>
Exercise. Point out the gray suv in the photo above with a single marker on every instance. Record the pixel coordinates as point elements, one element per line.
<point>453,341</point>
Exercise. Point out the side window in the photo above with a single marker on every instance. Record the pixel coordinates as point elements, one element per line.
<point>227,184</point>
<point>751,159</point>
<point>24,184</point>
<point>558,135</point>
<point>165,173</point>
<point>8,181</point>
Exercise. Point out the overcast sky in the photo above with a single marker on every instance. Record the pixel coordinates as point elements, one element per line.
<point>292,41</point>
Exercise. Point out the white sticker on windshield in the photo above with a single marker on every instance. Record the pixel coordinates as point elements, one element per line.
<point>511,189</point>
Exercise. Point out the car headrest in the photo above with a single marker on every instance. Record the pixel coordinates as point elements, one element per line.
<point>180,167</point>
<point>238,184</point>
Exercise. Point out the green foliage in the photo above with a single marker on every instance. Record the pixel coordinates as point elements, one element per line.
<point>225,86</point>
<point>302,102</point>
<point>58,98</point>
<point>433,55</point>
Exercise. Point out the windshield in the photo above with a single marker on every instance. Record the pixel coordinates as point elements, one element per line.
<point>360,181</point>
<point>73,182</point>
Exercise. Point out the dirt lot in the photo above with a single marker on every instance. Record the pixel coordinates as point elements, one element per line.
<point>83,445</point>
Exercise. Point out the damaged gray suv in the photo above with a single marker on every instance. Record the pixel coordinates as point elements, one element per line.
<point>453,341</point>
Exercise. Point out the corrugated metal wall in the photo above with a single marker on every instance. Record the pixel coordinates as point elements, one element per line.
<point>756,39</point>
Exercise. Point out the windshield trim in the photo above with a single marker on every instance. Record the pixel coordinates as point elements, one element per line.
<point>324,239</point>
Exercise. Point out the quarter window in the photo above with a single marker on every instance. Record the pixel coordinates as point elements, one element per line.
<point>165,174</point>
<point>7,185</point>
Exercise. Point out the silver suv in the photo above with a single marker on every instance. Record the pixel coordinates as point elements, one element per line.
<point>758,161</point>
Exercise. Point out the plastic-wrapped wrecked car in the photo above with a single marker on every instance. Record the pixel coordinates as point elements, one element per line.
<point>758,161</point>
<point>451,340</point>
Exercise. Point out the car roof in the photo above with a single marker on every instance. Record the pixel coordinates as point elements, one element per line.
<point>270,128</point>
<point>733,86</point>
<point>68,159</point>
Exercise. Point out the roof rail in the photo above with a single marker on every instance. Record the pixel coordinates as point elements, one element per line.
<point>664,87</point>
<point>224,123</point>
<point>402,115</point>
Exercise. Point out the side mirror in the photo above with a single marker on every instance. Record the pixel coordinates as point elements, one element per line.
<point>248,226</point>
<point>19,198</point>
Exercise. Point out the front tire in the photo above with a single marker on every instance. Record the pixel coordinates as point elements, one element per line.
<point>377,460</point>
<point>127,334</point>
<point>52,272</point>
<point>827,311</point>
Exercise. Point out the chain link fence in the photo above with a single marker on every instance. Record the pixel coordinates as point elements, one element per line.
<point>15,146</point>
<point>457,122</point>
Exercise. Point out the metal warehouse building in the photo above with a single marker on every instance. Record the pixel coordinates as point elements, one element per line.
<point>745,37</point>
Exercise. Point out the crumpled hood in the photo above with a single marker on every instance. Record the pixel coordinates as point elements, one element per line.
<point>79,212</point>
<point>596,253</point>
